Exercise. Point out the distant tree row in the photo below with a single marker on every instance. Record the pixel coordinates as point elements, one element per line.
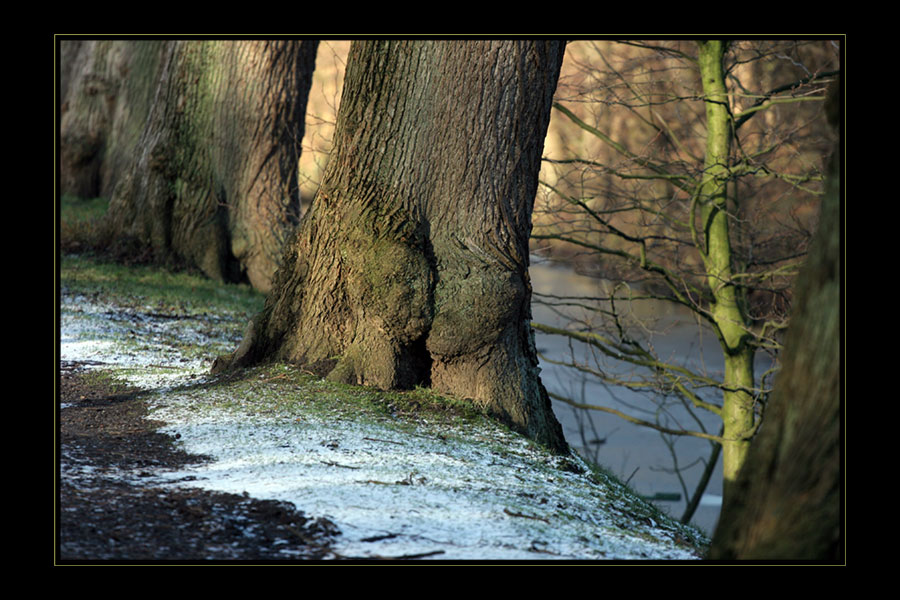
<point>195,143</point>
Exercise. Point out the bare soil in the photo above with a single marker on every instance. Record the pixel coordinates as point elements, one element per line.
<point>111,507</point>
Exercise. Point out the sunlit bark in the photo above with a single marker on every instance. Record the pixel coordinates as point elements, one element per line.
<point>715,248</point>
<point>410,267</point>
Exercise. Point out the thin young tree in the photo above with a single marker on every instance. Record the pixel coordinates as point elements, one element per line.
<point>411,265</point>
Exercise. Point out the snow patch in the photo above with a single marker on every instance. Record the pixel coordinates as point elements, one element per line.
<point>460,492</point>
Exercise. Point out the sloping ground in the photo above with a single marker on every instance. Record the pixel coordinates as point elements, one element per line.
<point>114,506</point>
<point>278,465</point>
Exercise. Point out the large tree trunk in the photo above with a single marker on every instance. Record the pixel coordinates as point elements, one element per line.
<point>106,88</point>
<point>214,180</point>
<point>786,502</point>
<point>411,267</point>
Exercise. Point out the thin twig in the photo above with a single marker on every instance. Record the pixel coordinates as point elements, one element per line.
<point>524,516</point>
<point>385,441</point>
<point>334,464</point>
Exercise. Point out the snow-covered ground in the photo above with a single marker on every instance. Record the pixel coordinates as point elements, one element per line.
<point>462,489</point>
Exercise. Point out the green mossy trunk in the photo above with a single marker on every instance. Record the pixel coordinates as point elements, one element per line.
<point>726,310</point>
<point>213,180</point>
<point>411,267</point>
<point>786,503</point>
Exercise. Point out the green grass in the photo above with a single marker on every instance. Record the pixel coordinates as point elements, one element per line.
<point>169,291</point>
<point>84,229</point>
<point>110,381</point>
<point>74,210</point>
<point>284,389</point>
<point>88,266</point>
<point>82,224</point>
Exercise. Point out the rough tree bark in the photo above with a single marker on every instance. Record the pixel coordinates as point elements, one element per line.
<point>214,180</point>
<point>105,90</point>
<point>786,502</point>
<point>410,268</point>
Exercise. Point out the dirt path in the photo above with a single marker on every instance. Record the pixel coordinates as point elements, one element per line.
<point>112,508</point>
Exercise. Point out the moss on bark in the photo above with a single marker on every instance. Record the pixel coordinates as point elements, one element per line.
<point>411,266</point>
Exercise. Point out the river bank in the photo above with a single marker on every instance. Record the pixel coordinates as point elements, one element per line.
<point>348,472</point>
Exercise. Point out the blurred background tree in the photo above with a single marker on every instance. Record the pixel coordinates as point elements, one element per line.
<point>195,143</point>
<point>688,173</point>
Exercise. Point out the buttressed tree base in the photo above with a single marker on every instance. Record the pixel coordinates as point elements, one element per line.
<point>411,266</point>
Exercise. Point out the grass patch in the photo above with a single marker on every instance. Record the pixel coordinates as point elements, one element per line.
<point>168,291</point>
<point>77,210</point>
<point>424,403</point>
<point>284,389</point>
<point>83,226</point>
<point>110,381</point>
<point>95,261</point>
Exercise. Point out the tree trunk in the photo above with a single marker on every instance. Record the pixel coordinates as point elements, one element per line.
<point>106,87</point>
<point>215,180</point>
<point>787,500</point>
<point>727,312</point>
<point>411,267</point>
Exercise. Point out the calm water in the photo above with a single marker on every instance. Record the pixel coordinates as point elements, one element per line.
<point>634,453</point>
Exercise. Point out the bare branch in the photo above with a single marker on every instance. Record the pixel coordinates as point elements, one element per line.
<point>636,421</point>
<point>675,179</point>
<point>759,105</point>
